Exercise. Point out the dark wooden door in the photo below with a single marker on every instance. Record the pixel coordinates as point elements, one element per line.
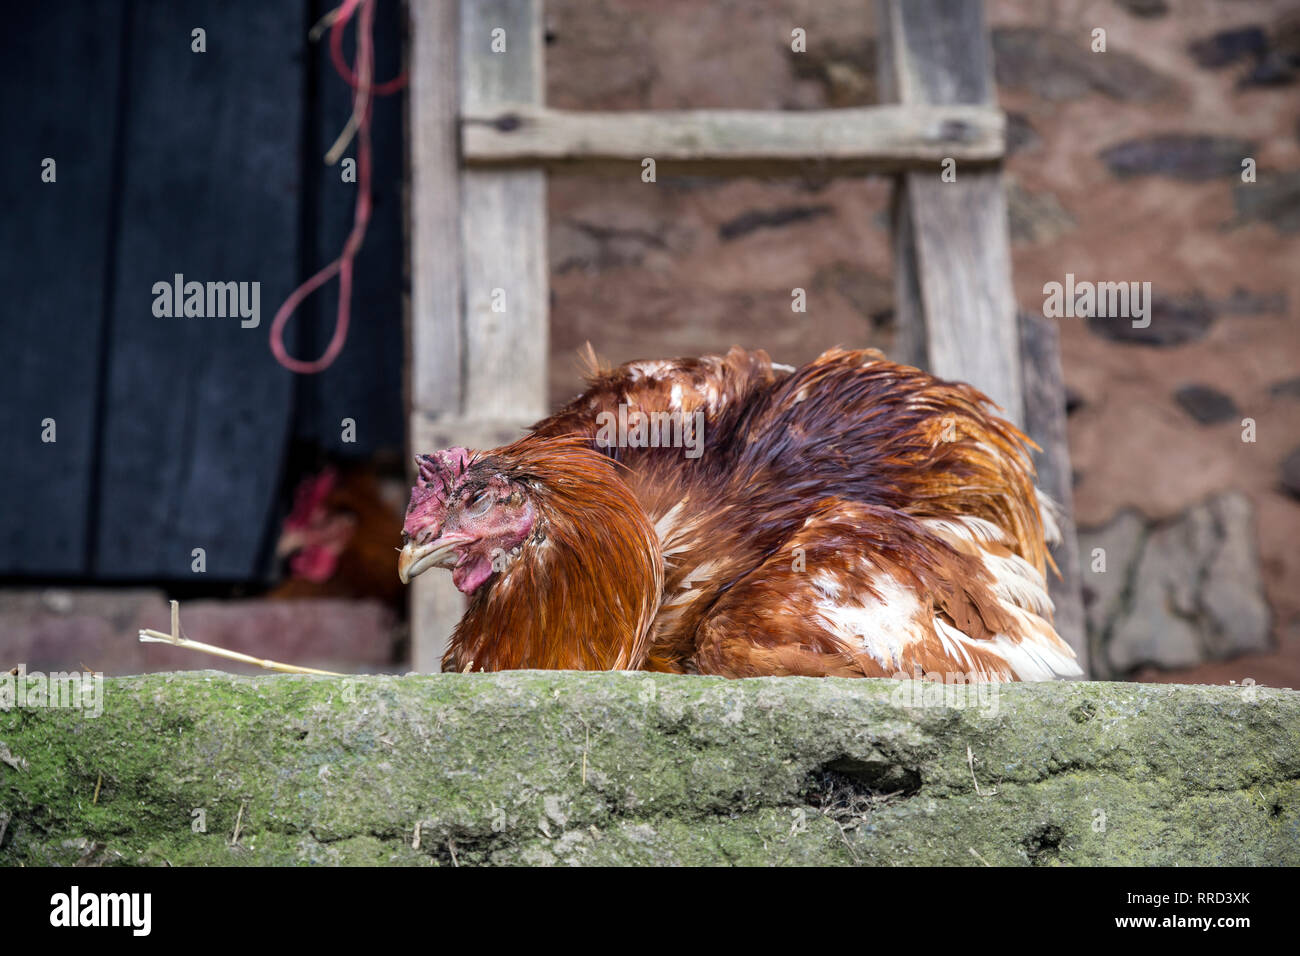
<point>171,431</point>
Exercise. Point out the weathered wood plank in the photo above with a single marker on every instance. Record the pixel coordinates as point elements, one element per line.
<point>964,259</point>
<point>937,52</point>
<point>503,223</point>
<point>1045,423</point>
<point>435,324</point>
<point>506,289</point>
<point>53,273</point>
<point>910,340</point>
<point>196,409</point>
<point>872,138</point>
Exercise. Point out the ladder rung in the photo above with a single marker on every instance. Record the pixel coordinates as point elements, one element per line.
<point>871,138</point>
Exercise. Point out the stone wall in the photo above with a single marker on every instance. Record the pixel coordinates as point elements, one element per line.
<point>636,769</point>
<point>1173,594</point>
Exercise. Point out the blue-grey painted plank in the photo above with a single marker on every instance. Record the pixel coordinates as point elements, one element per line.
<point>197,411</point>
<point>59,96</point>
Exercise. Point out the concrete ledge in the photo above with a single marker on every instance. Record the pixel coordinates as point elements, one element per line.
<point>543,767</point>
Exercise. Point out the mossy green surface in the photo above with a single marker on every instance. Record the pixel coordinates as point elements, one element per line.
<point>537,767</point>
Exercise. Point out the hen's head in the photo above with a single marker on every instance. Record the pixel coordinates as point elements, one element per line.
<point>317,529</point>
<point>464,514</point>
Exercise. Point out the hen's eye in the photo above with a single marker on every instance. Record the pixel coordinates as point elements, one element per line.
<point>479,505</point>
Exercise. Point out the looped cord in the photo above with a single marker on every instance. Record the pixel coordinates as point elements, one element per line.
<point>364,90</point>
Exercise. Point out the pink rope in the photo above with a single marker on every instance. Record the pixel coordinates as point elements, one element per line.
<point>361,83</point>
<point>340,64</point>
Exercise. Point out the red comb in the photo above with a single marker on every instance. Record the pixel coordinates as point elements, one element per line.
<point>443,468</point>
<point>310,496</point>
<point>439,473</point>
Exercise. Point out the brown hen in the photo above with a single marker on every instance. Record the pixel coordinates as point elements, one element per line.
<point>727,515</point>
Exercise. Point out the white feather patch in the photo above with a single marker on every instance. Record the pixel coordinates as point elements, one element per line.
<point>1051,514</point>
<point>966,528</point>
<point>1040,654</point>
<point>670,532</point>
<point>1018,582</point>
<point>879,627</point>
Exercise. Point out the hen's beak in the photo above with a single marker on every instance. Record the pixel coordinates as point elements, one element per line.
<point>417,558</point>
<point>290,541</point>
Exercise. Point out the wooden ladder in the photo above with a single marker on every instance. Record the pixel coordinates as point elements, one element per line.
<point>482,140</point>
